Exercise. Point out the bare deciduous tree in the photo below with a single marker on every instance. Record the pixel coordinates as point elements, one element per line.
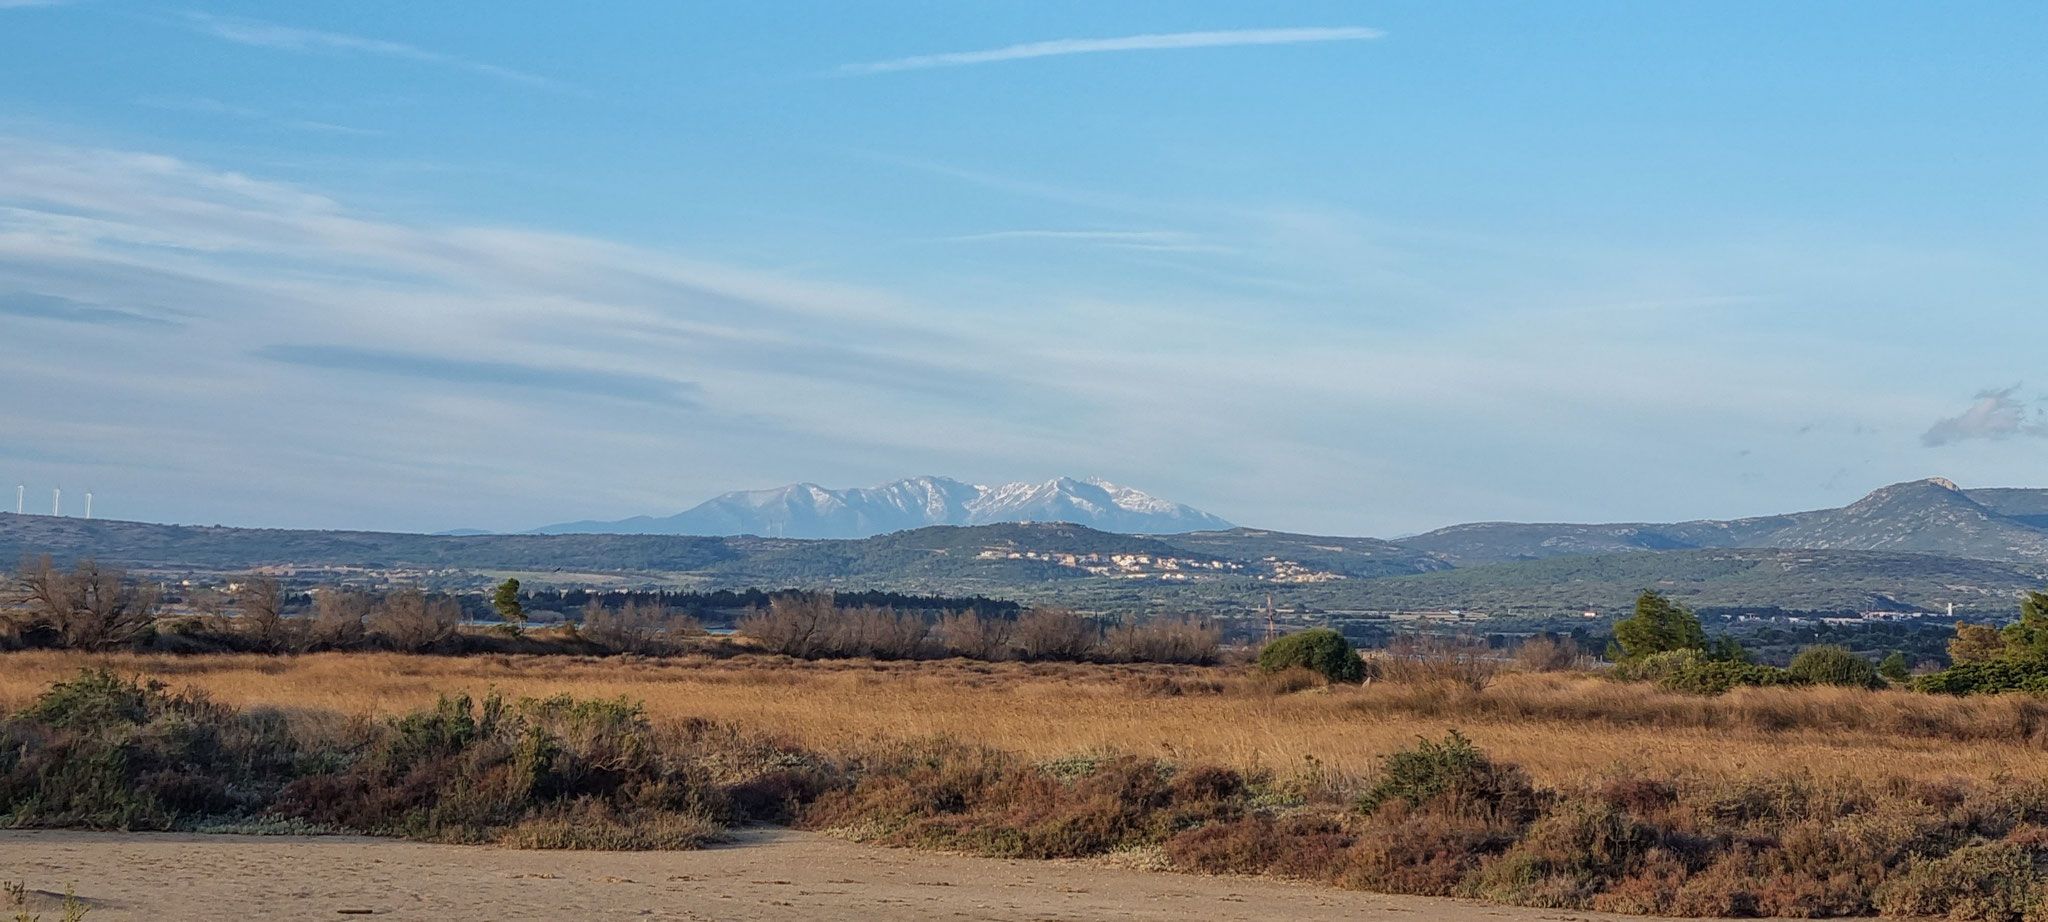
<point>1189,640</point>
<point>90,607</point>
<point>793,624</point>
<point>410,620</point>
<point>339,617</point>
<point>1055,634</point>
<point>878,631</point>
<point>647,628</point>
<point>975,636</point>
<point>260,606</point>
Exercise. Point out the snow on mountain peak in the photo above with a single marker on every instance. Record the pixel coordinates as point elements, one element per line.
<point>807,510</point>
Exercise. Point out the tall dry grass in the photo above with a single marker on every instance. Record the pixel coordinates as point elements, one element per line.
<point>1563,728</point>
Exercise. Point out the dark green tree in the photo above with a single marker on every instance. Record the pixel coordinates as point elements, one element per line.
<point>506,602</point>
<point>2026,640</point>
<point>1894,668</point>
<point>1320,649</point>
<point>1658,626</point>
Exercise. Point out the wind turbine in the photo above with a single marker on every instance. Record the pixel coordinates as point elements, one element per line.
<point>20,490</point>
<point>88,505</point>
<point>57,501</point>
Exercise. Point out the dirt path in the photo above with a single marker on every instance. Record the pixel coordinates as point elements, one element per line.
<point>770,875</point>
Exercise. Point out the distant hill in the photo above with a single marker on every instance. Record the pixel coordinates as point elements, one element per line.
<point>1919,545</point>
<point>806,510</point>
<point>1357,558</point>
<point>1230,570</point>
<point>1931,516</point>
<point>218,548</point>
<point>1727,578</point>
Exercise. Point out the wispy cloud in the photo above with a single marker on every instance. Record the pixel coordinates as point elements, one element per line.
<point>291,38</point>
<point>51,307</point>
<point>1997,414</point>
<point>1155,241</point>
<point>206,106</point>
<point>594,382</point>
<point>1151,42</point>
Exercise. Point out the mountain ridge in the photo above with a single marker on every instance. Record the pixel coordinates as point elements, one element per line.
<point>807,510</point>
<point>1933,516</point>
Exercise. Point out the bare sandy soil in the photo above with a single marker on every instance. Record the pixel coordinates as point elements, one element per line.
<point>769,875</point>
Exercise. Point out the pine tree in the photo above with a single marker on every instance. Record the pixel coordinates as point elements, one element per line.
<point>506,601</point>
<point>1894,667</point>
<point>1658,626</point>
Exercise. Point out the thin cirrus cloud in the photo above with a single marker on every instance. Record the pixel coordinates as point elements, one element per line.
<point>206,106</point>
<point>641,388</point>
<point>1150,42</point>
<point>1155,241</point>
<point>260,34</point>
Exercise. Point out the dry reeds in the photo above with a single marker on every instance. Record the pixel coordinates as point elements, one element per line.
<point>1561,727</point>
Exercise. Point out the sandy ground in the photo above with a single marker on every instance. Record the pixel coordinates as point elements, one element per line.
<point>768,875</point>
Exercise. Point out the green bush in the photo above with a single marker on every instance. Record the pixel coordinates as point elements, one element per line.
<point>1322,650</point>
<point>104,752</point>
<point>1833,665</point>
<point>1451,773</point>
<point>1714,677</point>
<point>1986,678</point>
<point>552,771</point>
<point>100,751</point>
<point>1656,667</point>
<point>1986,882</point>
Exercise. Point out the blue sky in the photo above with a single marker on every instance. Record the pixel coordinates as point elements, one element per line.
<point>1333,267</point>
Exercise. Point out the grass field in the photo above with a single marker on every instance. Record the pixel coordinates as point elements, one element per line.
<point>1562,728</point>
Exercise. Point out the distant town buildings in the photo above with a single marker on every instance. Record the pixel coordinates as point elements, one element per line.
<point>1164,568</point>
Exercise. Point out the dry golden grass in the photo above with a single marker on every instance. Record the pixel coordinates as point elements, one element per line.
<point>1562,728</point>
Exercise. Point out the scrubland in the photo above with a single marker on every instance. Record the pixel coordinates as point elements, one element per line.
<point>1558,789</point>
<point>1561,727</point>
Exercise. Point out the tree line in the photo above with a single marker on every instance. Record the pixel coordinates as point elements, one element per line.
<point>92,606</point>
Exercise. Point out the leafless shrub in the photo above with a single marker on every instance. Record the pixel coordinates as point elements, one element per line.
<point>879,632</point>
<point>215,610</point>
<point>340,617</point>
<point>89,607</point>
<point>794,624</point>
<point>646,628</point>
<point>409,620</point>
<point>1549,653</point>
<point>260,610</point>
<point>975,636</point>
<point>1429,659</point>
<point>1055,634</point>
<point>1188,640</point>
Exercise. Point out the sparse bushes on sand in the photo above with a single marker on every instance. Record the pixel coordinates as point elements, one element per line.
<point>1439,817</point>
<point>100,751</point>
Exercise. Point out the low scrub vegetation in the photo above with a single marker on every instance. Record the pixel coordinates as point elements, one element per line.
<point>1442,815</point>
<point>102,752</point>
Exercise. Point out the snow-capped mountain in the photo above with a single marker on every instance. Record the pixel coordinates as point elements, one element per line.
<point>806,510</point>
